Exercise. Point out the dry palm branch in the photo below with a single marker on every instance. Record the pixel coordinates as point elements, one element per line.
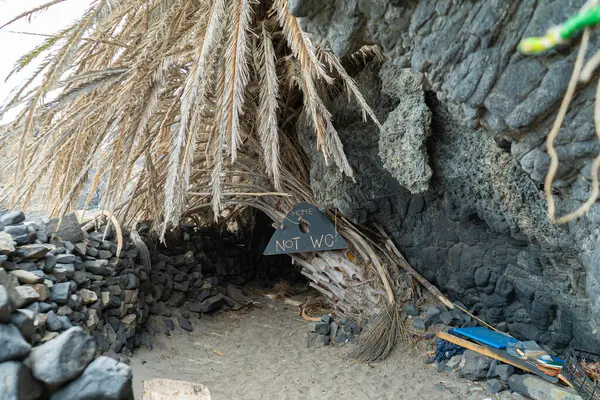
<point>187,108</point>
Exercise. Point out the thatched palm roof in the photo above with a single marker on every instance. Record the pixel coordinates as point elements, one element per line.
<point>188,108</point>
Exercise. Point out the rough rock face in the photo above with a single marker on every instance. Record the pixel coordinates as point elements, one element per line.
<point>480,231</point>
<point>405,131</point>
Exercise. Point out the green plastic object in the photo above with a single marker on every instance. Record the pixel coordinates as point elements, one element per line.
<point>557,35</point>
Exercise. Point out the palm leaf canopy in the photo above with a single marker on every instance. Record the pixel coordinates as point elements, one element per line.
<point>173,106</point>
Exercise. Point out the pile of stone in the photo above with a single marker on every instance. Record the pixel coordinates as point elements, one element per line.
<point>476,367</point>
<point>429,316</point>
<point>69,278</point>
<point>62,367</point>
<point>499,377</point>
<point>328,331</point>
<point>196,272</point>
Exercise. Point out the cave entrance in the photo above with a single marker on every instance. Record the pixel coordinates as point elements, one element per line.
<point>201,270</point>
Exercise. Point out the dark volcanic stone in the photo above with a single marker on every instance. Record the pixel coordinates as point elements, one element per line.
<point>504,372</point>
<point>61,292</point>
<point>68,229</point>
<point>228,301</point>
<point>180,277</point>
<point>131,282</point>
<point>12,344</point>
<point>50,261</point>
<point>10,284</point>
<point>412,310</point>
<point>53,324</point>
<point>419,323</point>
<point>93,383</point>
<point>185,313</point>
<point>97,267</point>
<point>474,366</point>
<point>493,386</point>
<point>80,278</point>
<point>67,269</point>
<point>181,286</point>
<point>65,322</point>
<point>177,299</point>
<point>185,324</point>
<point>105,254</point>
<point>446,318</point>
<point>164,310</point>
<point>322,328</point>
<point>169,324</point>
<point>114,322</point>
<point>75,302</point>
<point>32,251</point>
<point>6,305</point>
<point>16,230</point>
<point>17,382</point>
<point>23,320</point>
<point>12,218</point>
<point>62,359</point>
<point>207,290</point>
<point>66,259</point>
<point>27,266</point>
<point>314,339</point>
<point>195,306</point>
<point>212,303</point>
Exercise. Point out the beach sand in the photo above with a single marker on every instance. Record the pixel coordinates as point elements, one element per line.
<point>262,355</point>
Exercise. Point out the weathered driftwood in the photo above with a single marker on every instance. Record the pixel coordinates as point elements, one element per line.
<point>168,389</point>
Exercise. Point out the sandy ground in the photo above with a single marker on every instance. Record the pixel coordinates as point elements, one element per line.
<point>262,355</point>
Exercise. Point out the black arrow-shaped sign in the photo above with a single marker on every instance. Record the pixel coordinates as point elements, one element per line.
<point>305,229</point>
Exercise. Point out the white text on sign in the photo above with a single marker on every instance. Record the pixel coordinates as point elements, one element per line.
<point>292,244</point>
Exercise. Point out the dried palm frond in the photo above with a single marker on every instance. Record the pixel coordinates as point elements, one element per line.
<point>169,99</point>
<point>181,109</point>
<point>379,339</point>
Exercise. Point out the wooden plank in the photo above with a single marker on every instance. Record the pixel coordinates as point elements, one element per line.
<point>499,355</point>
<point>169,389</point>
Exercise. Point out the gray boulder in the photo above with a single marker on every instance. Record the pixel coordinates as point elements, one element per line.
<point>537,388</point>
<point>97,267</point>
<point>66,258</point>
<point>212,303</point>
<point>493,386</point>
<point>16,230</point>
<point>62,359</point>
<point>504,372</point>
<point>104,379</point>
<point>10,284</point>
<point>53,324</point>
<point>474,366</point>
<point>32,251</point>
<point>12,344</point>
<point>68,229</point>
<point>12,218</point>
<point>61,292</point>
<point>23,320</point>
<point>17,383</point>
<point>50,262</point>
<point>6,306</point>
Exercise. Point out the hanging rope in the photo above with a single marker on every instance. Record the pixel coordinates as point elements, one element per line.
<point>589,16</point>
